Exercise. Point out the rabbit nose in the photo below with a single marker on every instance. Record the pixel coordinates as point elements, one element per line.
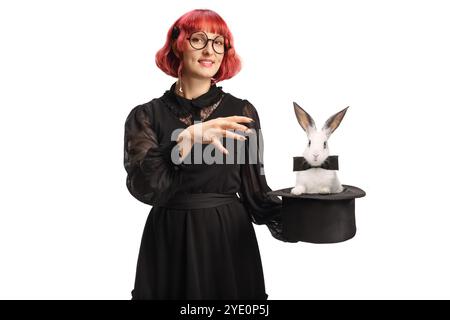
<point>315,155</point>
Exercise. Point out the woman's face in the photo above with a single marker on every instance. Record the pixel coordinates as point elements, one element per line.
<point>202,63</point>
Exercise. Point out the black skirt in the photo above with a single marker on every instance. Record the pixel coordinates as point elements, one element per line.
<point>207,251</point>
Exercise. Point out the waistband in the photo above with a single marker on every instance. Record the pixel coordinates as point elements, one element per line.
<point>200,200</point>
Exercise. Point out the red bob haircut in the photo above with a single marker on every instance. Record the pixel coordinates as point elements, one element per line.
<point>199,19</point>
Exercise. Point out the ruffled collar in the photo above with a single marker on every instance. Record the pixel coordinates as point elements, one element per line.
<point>183,107</point>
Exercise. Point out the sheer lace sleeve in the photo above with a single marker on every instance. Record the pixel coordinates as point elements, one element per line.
<point>263,208</point>
<point>152,177</point>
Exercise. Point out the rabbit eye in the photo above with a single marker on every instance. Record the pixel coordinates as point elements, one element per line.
<point>309,143</point>
<point>325,145</point>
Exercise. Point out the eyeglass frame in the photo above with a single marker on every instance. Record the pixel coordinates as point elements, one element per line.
<point>225,47</point>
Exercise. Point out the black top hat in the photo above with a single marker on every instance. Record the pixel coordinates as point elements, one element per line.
<point>319,218</point>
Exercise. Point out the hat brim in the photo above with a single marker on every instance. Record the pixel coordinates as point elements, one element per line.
<point>350,192</point>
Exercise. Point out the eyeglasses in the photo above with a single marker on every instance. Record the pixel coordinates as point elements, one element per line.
<point>199,40</point>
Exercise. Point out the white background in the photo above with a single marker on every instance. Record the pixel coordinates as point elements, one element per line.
<point>70,72</point>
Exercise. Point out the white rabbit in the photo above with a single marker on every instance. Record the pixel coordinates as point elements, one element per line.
<point>317,180</point>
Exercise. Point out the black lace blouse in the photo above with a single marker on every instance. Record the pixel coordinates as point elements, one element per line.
<point>150,139</point>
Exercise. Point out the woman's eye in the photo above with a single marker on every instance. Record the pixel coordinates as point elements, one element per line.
<point>197,40</point>
<point>218,42</point>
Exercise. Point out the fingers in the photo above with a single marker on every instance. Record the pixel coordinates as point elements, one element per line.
<point>239,119</point>
<point>218,127</point>
<point>231,122</point>
<point>215,141</point>
<point>237,126</point>
<point>219,133</point>
<point>229,134</point>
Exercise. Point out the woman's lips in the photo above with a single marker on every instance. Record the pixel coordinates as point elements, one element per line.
<point>206,63</point>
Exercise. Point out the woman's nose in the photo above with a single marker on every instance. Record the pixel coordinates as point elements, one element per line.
<point>208,48</point>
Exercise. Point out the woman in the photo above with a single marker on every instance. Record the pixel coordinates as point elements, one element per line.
<point>198,241</point>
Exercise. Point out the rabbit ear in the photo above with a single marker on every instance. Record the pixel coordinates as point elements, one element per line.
<point>333,122</point>
<point>303,118</point>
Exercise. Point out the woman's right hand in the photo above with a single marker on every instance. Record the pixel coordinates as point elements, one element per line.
<point>211,131</point>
